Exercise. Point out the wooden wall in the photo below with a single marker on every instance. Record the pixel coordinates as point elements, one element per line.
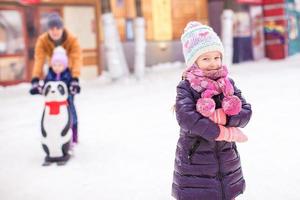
<point>147,13</point>
<point>184,11</point>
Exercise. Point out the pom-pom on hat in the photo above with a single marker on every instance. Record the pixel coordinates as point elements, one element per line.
<point>198,39</point>
<point>59,56</point>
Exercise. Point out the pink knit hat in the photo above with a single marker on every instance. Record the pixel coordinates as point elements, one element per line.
<point>59,56</point>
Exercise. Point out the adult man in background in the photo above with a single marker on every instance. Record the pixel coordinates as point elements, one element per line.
<point>56,35</point>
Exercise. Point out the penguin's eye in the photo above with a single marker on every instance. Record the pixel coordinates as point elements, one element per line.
<point>48,88</point>
<point>61,89</point>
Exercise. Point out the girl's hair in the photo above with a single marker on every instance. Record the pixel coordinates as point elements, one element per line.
<point>173,108</point>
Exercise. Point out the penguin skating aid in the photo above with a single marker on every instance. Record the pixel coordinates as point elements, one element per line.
<point>56,123</point>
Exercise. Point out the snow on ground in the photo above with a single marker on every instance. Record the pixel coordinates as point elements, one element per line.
<point>128,135</point>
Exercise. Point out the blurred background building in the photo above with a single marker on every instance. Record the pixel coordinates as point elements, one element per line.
<point>261,28</point>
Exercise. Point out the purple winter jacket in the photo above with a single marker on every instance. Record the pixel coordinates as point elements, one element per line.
<point>206,169</point>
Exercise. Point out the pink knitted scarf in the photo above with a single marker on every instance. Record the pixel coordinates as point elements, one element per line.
<point>209,84</point>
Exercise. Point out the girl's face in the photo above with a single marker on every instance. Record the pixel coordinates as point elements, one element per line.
<point>58,67</point>
<point>209,61</point>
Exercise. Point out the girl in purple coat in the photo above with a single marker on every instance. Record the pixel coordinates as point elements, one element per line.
<point>209,110</point>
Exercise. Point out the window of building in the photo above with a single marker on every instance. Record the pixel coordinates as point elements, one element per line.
<point>12,46</point>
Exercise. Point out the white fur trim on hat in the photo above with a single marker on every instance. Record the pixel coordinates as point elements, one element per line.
<point>59,56</point>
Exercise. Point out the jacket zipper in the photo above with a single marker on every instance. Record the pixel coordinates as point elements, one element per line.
<point>193,149</point>
<point>219,175</point>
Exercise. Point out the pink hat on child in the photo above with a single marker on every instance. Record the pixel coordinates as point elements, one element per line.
<point>59,56</point>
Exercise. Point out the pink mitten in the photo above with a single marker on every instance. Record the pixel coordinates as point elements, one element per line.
<point>231,134</point>
<point>219,116</point>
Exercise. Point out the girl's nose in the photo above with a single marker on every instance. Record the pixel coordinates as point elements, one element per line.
<point>215,64</point>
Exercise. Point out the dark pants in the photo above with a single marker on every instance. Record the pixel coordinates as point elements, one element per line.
<point>242,49</point>
<point>74,122</point>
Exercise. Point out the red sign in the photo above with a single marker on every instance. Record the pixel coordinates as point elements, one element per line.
<point>29,1</point>
<point>273,1</point>
<point>250,1</point>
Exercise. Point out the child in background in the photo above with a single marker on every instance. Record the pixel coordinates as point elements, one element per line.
<point>209,109</point>
<point>59,71</point>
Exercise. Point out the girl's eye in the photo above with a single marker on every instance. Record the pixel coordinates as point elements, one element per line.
<point>206,59</point>
<point>217,58</point>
